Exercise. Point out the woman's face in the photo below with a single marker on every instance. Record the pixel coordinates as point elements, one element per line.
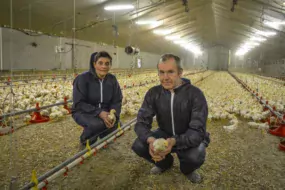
<point>102,66</point>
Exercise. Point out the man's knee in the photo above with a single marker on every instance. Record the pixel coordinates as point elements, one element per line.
<point>194,156</point>
<point>140,148</point>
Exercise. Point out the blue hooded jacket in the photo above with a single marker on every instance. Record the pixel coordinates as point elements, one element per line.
<point>91,95</point>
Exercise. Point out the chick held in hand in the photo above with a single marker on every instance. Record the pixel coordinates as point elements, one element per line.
<point>112,116</point>
<point>160,145</point>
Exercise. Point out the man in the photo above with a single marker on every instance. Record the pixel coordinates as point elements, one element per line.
<point>181,112</point>
<point>95,93</point>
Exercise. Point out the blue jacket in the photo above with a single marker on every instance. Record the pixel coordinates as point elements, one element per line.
<point>92,95</point>
<point>182,115</point>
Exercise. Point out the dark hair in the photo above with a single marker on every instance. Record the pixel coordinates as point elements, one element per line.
<point>102,54</point>
<point>168,56</point>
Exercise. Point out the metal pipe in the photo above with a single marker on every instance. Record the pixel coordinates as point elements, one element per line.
<point>71,162</point>
<point>32,110</point>
<point>34,83</point>
<point>279,115</point>
<point>69,101</point>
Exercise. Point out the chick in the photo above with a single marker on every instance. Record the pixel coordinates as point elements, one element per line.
<point>160,145</point>
<point>112,116</point>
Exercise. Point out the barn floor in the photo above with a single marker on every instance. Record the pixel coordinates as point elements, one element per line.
<point>244,159</point>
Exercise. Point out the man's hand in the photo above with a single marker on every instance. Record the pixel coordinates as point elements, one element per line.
<point>104,116</point>
<point>171,143</point>
<point>152,153</point>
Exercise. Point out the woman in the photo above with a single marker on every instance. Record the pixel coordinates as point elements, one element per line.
<point>95,93</point>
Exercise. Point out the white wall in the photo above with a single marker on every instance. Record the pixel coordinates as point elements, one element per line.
<point>218,58</point>
<point>256,64</point>
<point>191,61</point>
<point>44,57</point>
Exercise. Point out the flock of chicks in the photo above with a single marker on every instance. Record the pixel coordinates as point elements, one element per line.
<point>268,89</point>
<point>226,101</point>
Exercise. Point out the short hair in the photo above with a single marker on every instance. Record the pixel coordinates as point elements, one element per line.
<point>168,56</point>
<point>102,54</point>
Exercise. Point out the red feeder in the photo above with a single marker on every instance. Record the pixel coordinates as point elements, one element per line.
<point>82,159</point>
<point>125,86</point>
<point>65,105</point>
<point>37,117</point>
<point>45,187</point>
<point>282,146</point>
<point>280,130</point>
<point>66,170</point>
<point>105,146</point>
<point>95,152</point>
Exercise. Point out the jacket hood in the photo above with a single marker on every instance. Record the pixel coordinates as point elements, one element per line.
<point>185,80</point>
<point>91,66</point>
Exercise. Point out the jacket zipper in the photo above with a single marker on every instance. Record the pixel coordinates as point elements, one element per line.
<point>101,90</point>
<point>172,116</point>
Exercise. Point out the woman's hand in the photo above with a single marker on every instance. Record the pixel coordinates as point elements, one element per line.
<point>104,116</point>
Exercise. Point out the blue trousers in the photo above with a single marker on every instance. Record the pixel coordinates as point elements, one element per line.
<point>190,159</point>
<point>93,127</point>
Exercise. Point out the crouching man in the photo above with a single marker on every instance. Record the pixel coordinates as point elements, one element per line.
<point>181,112</point>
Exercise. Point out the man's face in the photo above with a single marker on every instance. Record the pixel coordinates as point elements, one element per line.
<point>102,66</point>
<point>168,74</point>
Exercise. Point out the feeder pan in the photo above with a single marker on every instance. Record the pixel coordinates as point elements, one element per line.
<point>279,131</point>
<point>282,146</point>
<point>38,118</point>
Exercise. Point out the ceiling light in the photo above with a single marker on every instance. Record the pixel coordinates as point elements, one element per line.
<point>266,33</point>
<point>144,22</point>
<point>253,44</point>
<point>162,32</point>
<point>118,7</point>
<point>260,39</point>
<point>172,37</point>
<point>180,42</point>
<point>274,24</point>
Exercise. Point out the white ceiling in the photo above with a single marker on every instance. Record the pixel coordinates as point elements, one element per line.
<point>208,22</point>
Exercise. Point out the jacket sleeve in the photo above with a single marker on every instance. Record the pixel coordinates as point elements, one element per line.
<point>80,102</point>
<point>145,118</point>
<point>195,134</point>
<point>116,102</point>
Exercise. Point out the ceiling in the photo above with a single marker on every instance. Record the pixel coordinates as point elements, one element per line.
<point>208,23</point>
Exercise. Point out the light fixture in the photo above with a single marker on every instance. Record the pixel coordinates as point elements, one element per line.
<point>275,23</point>
<point>118,7</point>
<point>252,44</point>
<point>162,32</point>
<point>174,37</point>
<point>180,42</point>
<point>144,22</point>
<point>260,39</point>
<point>268,33</point>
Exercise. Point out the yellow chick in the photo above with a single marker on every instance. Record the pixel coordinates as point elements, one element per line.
<point>160,145</point>
<point>112,116</point>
